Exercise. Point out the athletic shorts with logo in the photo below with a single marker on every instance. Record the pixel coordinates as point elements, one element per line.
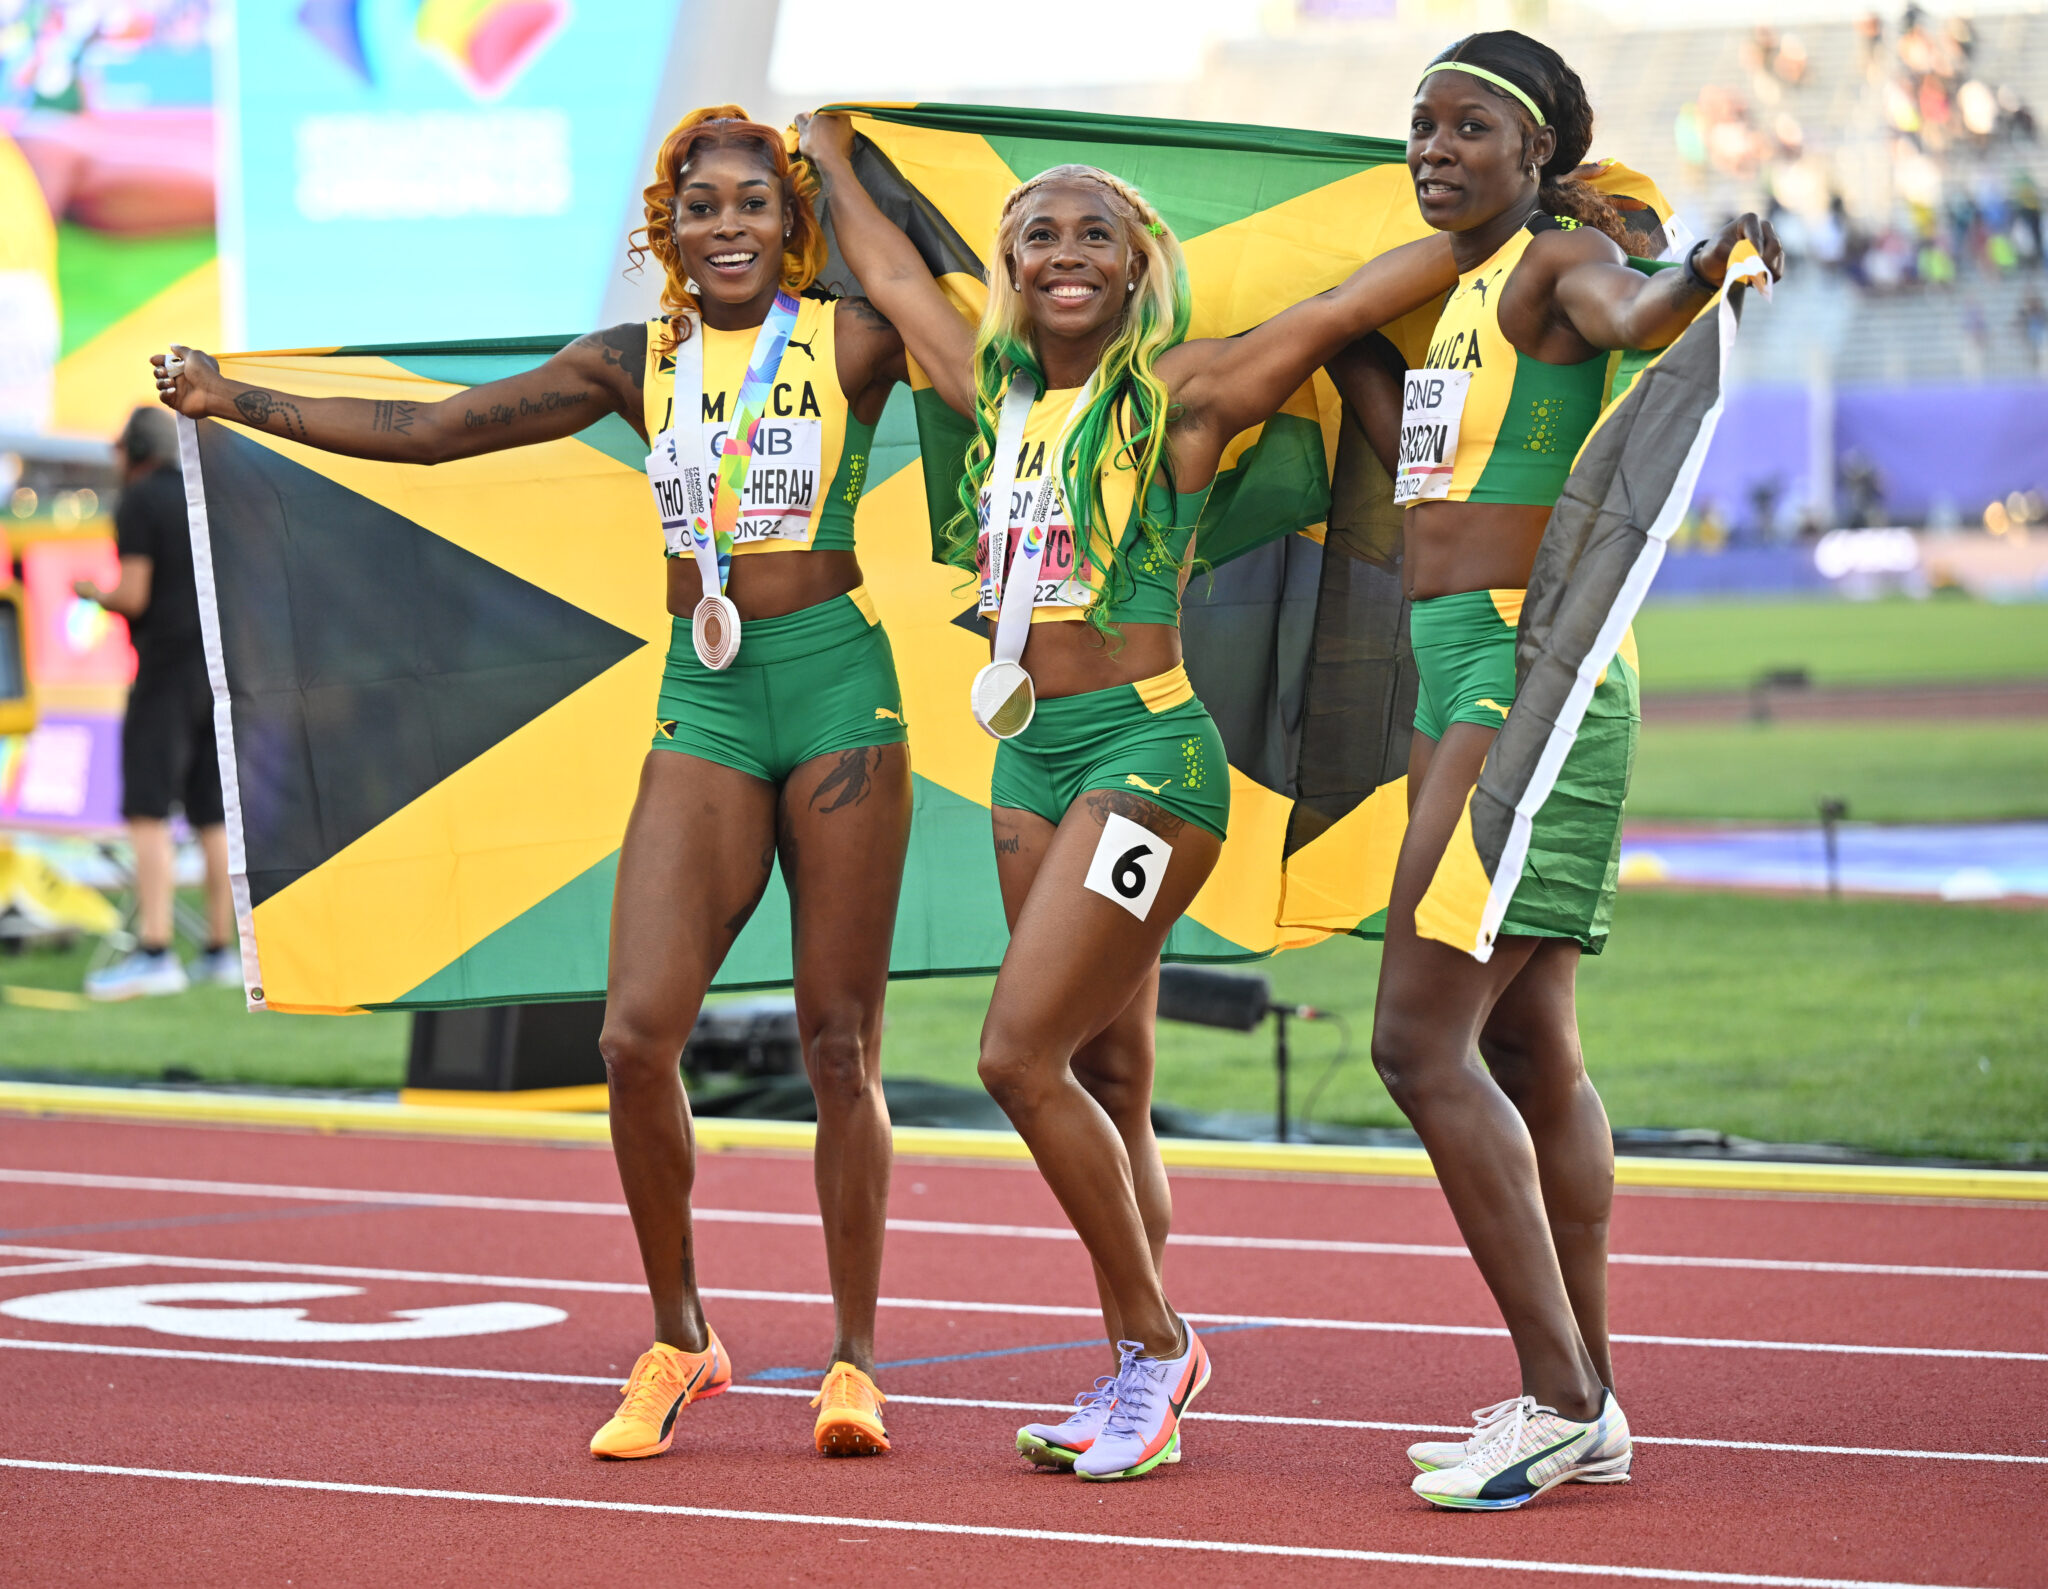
<point>1152,739</point>
<point>1464,648</point>
<point>804,685</point>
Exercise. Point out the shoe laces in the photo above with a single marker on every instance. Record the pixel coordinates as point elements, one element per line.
<point>1103,1390</point>
<point>1132,1390</point>
<point>844,1387</point>
<point>1502,1436</point>
<point>1485,1418</point>
<point>650,1389</point>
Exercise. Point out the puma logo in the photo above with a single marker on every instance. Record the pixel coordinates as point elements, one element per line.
<point>1483,701</point>
<point>805,347</point>
<point>884,712</point>
<point>1481,285</point>
<point>1150,788</point>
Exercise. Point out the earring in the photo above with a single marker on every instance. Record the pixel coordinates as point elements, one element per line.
<point>1130,286</point>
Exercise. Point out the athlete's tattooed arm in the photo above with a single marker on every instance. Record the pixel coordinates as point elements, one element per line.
<point>592,377</point>
<point>621,348</point>
<point>395,417</point>
<point>268,411</point>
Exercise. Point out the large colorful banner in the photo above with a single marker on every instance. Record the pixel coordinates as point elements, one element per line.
<point>436,686</point>
<point>432,168</point>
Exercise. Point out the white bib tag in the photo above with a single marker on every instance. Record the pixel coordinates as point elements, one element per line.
<point>1432,404</point>
<point>783,487</point>
<point>679,494</point>
<point>1129,865</point>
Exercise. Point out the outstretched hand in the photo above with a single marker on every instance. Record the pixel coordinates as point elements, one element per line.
<point>1748,228</point>
<point>824,136</point>
<point>186,390</point>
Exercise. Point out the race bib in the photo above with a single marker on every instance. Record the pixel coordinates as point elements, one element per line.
<point>782,487</point>
<point>1129,865</point>
<point>1064,579</point>
<point>1432,404</point>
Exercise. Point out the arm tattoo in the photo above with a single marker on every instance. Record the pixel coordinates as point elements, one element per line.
<point>525,408</point>
<point>623,348</point>
<point>1103,803</point>
<point>864,311</point>
<point>259,408</point>
<point>848,783</point>
<point>394,417</point>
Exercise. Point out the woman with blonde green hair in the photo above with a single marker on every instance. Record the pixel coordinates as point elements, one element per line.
<point>1099,429</point>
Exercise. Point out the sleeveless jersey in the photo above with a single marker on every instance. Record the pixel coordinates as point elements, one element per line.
<point>810,454</point>
<point>1523,420</point>
<point>1071,577</point>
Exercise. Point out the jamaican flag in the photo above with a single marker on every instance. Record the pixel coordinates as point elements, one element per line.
<point>1629,487</point>
<point>434,686</point>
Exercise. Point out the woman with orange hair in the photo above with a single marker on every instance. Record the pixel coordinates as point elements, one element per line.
<point>779,728</point>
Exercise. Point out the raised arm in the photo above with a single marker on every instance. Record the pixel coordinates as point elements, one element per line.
<point>596,375</point>
<point>1224,386</point>
<point>892,273</point>
<point>1614,306</point>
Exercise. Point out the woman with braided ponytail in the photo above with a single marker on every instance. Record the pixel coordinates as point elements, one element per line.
<point>1513,383</point>
<point>779,726</point>
<point>1099,431</point>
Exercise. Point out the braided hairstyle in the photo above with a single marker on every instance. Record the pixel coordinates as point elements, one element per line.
<point>725,127</point>
<point>1125,421</point>
<point>1541,73</point>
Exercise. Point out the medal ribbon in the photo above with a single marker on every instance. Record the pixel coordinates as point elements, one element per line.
<point>1016,593</point>
<point>710,538</point>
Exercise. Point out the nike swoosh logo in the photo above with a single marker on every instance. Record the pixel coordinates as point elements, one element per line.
<point>1189,1380</point>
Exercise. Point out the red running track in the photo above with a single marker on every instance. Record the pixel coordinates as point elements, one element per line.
<point>176,1450</point>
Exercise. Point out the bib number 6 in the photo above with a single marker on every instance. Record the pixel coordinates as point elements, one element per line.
<point>1129,865</point>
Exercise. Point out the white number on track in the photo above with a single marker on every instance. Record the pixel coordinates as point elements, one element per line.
<point>154,1308</point>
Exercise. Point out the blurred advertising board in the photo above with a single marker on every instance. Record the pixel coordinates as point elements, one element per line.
<point>64,773</point>
<point>408,169</point>
<point>73,642</point>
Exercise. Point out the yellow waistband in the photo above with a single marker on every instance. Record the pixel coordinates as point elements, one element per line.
<point>860,598</point>
<point>1508,603</point>
<point>1164,691</point>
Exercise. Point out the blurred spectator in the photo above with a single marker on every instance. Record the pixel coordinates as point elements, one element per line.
<point>2033,326</point>
<point>1863,490</point>
<point>1932,150</point>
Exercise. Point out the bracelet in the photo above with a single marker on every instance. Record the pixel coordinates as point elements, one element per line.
<point>1694,279</point>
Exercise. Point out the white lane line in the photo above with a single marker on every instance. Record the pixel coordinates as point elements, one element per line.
<point>15,1271</point>
<point>942,1227</point>
<point>1046,1310</point>
<point>610,1381</point>
<point>1055,1536</point>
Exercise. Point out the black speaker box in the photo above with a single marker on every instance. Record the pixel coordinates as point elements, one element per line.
<point>507,1048</point>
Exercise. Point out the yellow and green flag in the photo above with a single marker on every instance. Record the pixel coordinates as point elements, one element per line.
<point>434,687</point>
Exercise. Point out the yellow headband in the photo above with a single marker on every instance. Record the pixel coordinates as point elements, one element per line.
<point>1491,77</point>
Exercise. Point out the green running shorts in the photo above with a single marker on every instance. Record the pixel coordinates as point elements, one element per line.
<point>1153,739</point>
<point>804,685</point>
<point>1464,649</point>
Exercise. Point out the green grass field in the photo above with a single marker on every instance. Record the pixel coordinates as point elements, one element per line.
<point>1921,770</point>
<point>1724,645</point>
<point>1897,1027</point>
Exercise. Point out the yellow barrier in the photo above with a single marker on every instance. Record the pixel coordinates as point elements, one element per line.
<point>469,1118</point>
